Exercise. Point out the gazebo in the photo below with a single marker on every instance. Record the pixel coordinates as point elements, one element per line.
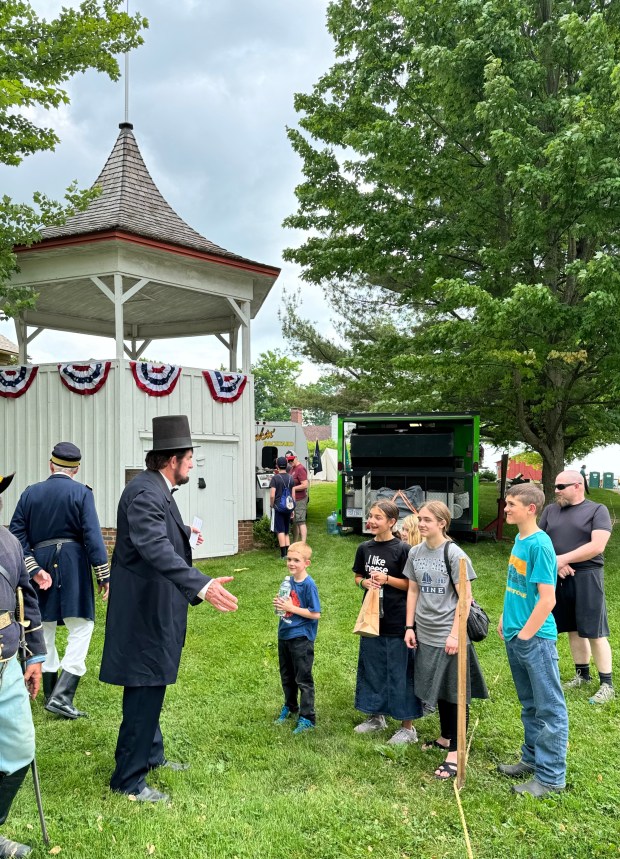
<point>129,268</point>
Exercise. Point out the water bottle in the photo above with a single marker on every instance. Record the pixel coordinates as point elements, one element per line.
<point>284,593</point>
<point>332,523</point>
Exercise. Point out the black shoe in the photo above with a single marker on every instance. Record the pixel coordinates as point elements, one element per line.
<point>149,794</point>
<point>49,681</point>
<point>535,788</point>
<point>175,766</point>
<point>10,848</point>
<point>515,770</point>
<point>61,701</point>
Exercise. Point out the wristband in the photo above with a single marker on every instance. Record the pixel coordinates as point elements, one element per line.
<point>409,627</point>
<point>361,583</point>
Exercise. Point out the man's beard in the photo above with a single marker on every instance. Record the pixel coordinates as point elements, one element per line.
<point>562,502</point>
<point>178,480</point>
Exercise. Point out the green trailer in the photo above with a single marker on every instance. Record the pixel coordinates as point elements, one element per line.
<point>426,456</point>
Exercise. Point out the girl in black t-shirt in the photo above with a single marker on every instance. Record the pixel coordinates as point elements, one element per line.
<point>384,684</point>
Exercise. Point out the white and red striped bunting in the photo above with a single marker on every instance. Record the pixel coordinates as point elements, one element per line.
<point>84,379</point>
<point>225,387</point>
<point>156,380</point>
<point>16,381</point>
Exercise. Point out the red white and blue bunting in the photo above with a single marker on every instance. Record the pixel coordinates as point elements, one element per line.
<point>84,379</point>
<point>156,380</point>
<point>16,381</point>
<point>225,387</point>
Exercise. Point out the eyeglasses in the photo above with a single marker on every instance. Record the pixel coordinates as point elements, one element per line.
<point>564,485</point>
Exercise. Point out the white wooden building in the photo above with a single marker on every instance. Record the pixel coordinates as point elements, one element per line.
<point>128,267</point>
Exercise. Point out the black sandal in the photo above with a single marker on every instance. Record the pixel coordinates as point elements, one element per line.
<point>431,745</point>
<point>446,771</point>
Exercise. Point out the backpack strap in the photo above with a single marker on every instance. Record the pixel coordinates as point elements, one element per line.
<point>446,560</point>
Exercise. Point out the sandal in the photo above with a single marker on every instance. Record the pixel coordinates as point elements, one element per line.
<point>431,745</point>
<point>446,771</point>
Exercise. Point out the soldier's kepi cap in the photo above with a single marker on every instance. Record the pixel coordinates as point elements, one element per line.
<point>5,482</point>
<point>66,455</point>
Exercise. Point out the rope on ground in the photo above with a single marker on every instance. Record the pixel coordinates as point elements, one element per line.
<point>463,821</point>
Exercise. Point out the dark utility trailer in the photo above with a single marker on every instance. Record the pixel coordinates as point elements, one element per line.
<point>426,456</point>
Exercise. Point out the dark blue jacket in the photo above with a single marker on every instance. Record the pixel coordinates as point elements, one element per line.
<point>12,559</point>
<point>62,508</point>
<point>152,584</point>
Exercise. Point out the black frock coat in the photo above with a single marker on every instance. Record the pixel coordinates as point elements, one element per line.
<point>61,508</point>
<point>152,583</point>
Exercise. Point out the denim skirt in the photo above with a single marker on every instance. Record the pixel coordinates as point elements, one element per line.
<point>385,679</point>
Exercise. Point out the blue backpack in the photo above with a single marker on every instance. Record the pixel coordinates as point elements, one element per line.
<point>286,502</point>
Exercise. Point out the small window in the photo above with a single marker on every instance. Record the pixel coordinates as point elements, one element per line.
<point>269,456</point>
<point>130,473</point>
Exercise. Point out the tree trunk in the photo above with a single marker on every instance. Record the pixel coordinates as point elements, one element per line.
<point>553,464</point>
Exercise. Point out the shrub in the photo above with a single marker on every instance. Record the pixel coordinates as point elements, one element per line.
<point>262,534</point>
<point>488,475</point>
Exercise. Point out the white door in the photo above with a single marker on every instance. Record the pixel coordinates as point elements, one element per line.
<point>211,495</point>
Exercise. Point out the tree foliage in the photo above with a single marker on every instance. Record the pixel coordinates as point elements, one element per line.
<point>462,197</point>
<point>275,378</point>
<point>37,58</point>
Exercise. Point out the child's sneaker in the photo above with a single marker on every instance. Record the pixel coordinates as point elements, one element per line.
<point>605,694</point>
<point>284,714</point>
<point>403,736</point>
<point>303,724</point>
<point>374,723</point>
<point>576,682</point>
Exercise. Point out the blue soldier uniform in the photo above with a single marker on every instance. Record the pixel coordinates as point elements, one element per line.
<point>57,525</point>
<point>16,728</point>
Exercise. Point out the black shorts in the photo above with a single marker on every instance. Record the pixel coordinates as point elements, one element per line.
<point>580,604</point>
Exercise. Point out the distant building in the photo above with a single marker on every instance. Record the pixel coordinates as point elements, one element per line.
<point>527,472</point>
<point>313,433</point>
<point>8,351</point>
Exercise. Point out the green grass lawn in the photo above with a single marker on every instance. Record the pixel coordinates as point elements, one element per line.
<point>255,790</point>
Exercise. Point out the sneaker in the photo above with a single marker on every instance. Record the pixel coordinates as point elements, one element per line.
<point>576,682</point>
<point>402,736</point>
<point>303,724</point>
<point>284,714</point>
<point>605,694</point>
<point>374,723</point>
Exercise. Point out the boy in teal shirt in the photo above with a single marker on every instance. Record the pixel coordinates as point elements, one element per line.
<point>528,628</point>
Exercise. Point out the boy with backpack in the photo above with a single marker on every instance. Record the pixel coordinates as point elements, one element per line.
<point>282,504</point>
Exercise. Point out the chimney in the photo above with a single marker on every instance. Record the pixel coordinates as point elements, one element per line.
<point>296,416</point>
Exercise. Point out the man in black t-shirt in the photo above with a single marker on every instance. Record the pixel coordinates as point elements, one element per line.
<point>579,530</point>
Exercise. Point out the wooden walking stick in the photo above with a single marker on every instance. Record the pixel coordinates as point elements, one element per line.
<point>461,712</point>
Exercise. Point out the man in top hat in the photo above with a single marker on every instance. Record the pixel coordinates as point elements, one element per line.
<point>16,728</point>
<point>57,525</point>
<point>152,584</point>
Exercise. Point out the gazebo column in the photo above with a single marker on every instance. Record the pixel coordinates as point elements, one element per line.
<point>23,338</point>
<point>118,316</point>
<point>242,312</point>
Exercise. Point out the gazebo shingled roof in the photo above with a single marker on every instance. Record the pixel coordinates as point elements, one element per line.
<point>130,268</point>
<point>131,201</point>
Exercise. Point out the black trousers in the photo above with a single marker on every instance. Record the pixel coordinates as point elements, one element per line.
<point>296,657</point>
<point>140,745</point>
<point>447,721</point>
<point>9,785</point>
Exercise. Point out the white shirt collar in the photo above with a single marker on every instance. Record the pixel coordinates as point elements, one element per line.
<point>168,484</point>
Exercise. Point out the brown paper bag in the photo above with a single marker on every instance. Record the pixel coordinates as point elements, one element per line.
<point>367,623</point>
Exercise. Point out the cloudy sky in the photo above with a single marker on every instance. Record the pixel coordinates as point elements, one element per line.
<point>211,94</point>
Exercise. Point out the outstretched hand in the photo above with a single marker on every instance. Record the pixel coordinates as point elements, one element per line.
<point>219,597</point>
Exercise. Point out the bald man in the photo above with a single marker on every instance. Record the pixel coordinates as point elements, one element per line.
<point>579,530</point>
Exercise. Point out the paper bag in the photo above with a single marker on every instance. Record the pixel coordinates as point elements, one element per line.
<point>367,623</point>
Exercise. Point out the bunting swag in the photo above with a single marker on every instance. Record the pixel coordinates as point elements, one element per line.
<point>84,379</point>
<point>225,387</point>
<point>156,380</point>
<point>16,381</point>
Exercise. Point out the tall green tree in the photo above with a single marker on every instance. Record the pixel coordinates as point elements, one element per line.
<point>275,378</point>
<point>37,57</point>
<point>462,196</point>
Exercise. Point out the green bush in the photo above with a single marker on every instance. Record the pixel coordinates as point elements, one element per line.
<point>263,535</point>
<point>488,475</point>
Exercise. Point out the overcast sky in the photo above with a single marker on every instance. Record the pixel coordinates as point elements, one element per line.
<point>211,94</point>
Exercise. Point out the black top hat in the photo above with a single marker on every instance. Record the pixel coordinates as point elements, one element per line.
<point>171,432</point>
<point>5,482</point>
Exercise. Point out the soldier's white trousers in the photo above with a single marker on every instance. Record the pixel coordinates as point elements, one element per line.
<point>74,660</point>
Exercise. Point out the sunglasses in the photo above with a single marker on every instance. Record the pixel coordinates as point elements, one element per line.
<point>564,485</point>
